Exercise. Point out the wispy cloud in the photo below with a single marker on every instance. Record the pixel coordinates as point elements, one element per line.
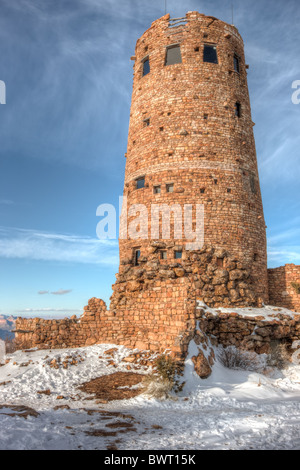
<point>45,246</point>
<point>48,309</point>
<point>6,202</point>
<point>43,292</point>
<point>62,292</point>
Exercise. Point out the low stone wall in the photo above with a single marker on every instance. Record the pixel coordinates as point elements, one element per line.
<point>252,333</point>
<point>284,287</point>
<point>68,333</point>
<point>144,323</point>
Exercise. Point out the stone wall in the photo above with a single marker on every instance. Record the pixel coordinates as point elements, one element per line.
<point>250,332</point>
<point>284,286</point>
<point>184,132</point>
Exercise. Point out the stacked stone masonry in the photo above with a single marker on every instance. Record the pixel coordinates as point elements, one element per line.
<point>284,287</point>
<point>190,142</point>
<point>184,132</point>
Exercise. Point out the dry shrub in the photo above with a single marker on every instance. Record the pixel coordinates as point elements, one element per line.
<point>160,383</point>
<point>10,345</point>
<point>279,356</point>
<point>238,359</point>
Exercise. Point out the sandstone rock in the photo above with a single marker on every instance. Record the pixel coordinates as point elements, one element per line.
<point>202,367</point>
<point>180,272</point>
<point>236,274</point>
<point>220,277</point>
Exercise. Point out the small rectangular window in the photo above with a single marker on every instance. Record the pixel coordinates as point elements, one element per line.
<point>255,257</point>
<point>253,184</point>
<point>137,255</point>
<point>220,262</point>
<point>173,55</point>
<point>140,183</point>
<point>202,190</point>
<point>146,122</point>
<point>238,108</point>
<point>170,188</point>
<point>236,63</point>
<point>163,254</point>
<point>156,189</point>
<point>210,54</point>
<point>146,66</point>
<point>178,254</point>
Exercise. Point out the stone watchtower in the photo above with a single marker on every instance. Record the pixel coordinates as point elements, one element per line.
<point>190,143</point>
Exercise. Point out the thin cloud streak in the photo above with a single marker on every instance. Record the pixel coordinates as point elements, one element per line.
<point>62,292</point>
<point>43,246</point>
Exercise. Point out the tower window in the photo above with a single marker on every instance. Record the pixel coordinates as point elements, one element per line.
<point>146,122</point>
<point>178,254</point>
<point>146,66</point>
<point>255,257</point>
<point>140,183</point>
<point>202,190</point>
<point>156,189</point>
<point>252,184</point>
<point>205,116</point>
<point>136,256</point>
<point>236,63</point>
<point>238,108</point>
<point>210,54</point>
<point>163,254</point>
<point>220,262</point>
<point>170,188</point>
<point>173,55</point>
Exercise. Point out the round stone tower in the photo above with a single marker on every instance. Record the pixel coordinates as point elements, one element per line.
<point>191,145</point>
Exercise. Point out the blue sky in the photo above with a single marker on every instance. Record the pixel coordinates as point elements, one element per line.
<point>63,134</point>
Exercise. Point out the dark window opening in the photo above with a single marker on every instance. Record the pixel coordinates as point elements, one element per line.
<point>137,255</point>
<point>156,189</point>
<point>140,183</point>
<point>210,54</point>
<point>202,190</point>
<point>253,184</point>
<point>205,116</point>
<point>255,257</point>
<point>173,55</point>
<point>197,49</point>
<point>178,254</point>
<point>220,262</point>
<point>238,109</point>
<point>228,190</point>
<point>146,67</point>
<point>163,255</point>
<point>236,63</point>
<point>161,129</point>
<point>215,181</point>
<point>146,122</point>
<point>170,188</point>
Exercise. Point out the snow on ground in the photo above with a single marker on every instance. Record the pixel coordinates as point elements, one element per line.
<point>232,409</point>
<point>267,311</point>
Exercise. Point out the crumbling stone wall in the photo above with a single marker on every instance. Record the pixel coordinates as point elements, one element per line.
<point>284,286</point>
<point>252,333</point>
